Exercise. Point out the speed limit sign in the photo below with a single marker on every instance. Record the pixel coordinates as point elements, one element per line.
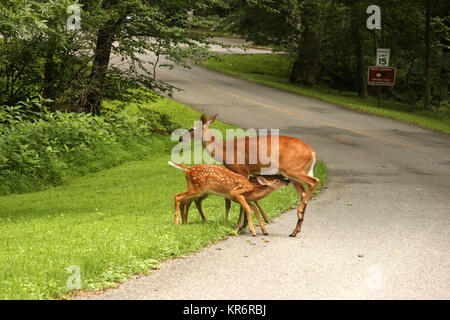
<point>383,57</point>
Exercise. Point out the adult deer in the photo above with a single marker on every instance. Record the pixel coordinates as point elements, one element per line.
<point>209,179</point>
<point>284,155</point>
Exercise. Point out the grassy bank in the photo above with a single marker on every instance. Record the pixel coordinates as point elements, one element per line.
<point>273,70</point>
<point>111,224</point>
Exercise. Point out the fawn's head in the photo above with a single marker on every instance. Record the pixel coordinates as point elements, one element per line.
<point>200,129</point>
<point>273,182</point>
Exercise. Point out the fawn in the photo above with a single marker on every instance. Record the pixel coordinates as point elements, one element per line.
<point>263,187</point>
<point>204,180</point>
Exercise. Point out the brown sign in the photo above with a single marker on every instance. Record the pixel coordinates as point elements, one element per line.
<point>381,76</point>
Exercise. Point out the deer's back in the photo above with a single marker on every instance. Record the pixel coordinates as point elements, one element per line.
<point>215,179</point>
<point>250,154</point>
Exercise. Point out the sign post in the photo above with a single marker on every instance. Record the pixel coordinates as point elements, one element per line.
<point>381,74</point>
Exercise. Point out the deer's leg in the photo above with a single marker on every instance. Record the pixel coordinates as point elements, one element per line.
<point>184,206</point>
<point>177,207</point>
<point>261,223</point>
<point>227,209</point>
<point>183,212</point>
<point>300,214</point>
<point>179,198</point>
<point>305,195</point>
<point>262,212</point>
<point>237,195</point>
<point>241,213</point>
<point>242,224</point>
<point>245,220</point>
<point>241,200</point>
<point>198,203</point>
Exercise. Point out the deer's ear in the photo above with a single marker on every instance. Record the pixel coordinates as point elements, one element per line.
<point>211,120</point>
<point>203,119</point>
<point>262,181</point>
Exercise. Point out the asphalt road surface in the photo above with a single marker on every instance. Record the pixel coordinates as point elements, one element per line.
<point>379,230</point>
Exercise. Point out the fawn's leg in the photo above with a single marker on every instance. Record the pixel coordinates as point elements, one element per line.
<point>198,203</point>
<point>262,211</point>
<point>237,195</point>
<point>241,200</point>
<point>227,209</point>
<point>179,197</point>
<point>184,206</point>
<point>245,219</point>
<point>261,223</point>
<point>241,213</point>
<point>177,207</point>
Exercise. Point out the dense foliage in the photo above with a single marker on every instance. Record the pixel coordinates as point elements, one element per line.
<point>40,55</point>
<point>39,148</point>
<point>332,47</point>
<point>54,79</point>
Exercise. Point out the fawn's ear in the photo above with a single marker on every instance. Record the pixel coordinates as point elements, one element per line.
<point>211,120</point>
<point>203,119</point>
<point>262,181</point>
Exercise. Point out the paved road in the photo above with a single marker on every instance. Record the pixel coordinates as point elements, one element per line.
<point>380,230</point>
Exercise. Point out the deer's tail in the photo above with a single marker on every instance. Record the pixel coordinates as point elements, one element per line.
<point>178,166</point>
<point>313,165</point>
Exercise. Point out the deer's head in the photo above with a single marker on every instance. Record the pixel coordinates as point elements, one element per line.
<point>273,182</point>
<point>200,129</point>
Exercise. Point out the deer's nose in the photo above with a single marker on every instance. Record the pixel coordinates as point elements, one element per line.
<point>181,139</point>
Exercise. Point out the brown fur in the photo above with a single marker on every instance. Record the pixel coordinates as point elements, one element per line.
<point>203,180</point>
<point>295,157</point>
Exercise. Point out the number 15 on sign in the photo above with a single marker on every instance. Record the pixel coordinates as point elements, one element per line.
<point>383,57</point>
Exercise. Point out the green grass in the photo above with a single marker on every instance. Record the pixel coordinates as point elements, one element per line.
<point>273,70</point>
<point>112,224</point>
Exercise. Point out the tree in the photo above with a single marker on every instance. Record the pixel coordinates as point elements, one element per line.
<point>40,56</point>
<point>427,54</point>
<point>137,26</point>
<point>299,26</point>
<point>308,19</point>
<point>357,23</point>
<point>331,46</point>
<point>20,24</point>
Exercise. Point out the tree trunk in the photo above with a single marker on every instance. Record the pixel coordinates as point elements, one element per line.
<point>50,70</point>
<point>361,70</point>
<point>102,55</point>
<point>304,70</point>
<point>427,55</point>
<point>356,22</point>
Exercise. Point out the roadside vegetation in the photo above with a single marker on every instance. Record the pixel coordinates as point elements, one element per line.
<point>106,199</point>
<point>274,70</point>
<point>40,148</point>
<point>330,48</point>
<point>84,179</point>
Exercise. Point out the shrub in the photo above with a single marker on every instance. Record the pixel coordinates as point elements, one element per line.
<point>39,148</point>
